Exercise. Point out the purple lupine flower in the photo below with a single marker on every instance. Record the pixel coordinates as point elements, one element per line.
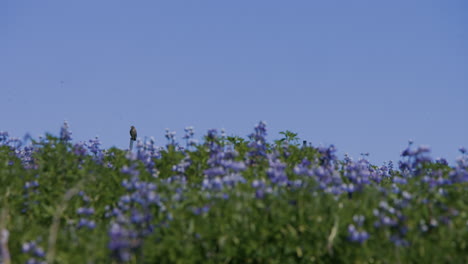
<point>84,222</point>
<point>328,178</point>
<point>406,195</point>
<point>462,150</point>
<point>258,184</point>
<point>36,252</point>
<point>324,170</point>
<point>31,188</point>
<point>302,168</point>
<point>276,171</point>
<point>235,166</point>
<point>327,155</point>
<point>79,149</point>
<point>355,235</point>
<point>28,246</point>
<point>189,140</point>
<point>296,183</point>
<point>399,241</point>
<point>171,138</point>
<point>442,161</point>
<point>133,217</point>
<point>223,169</point>
<point>130,170</point>
<point>182,165</point>
<point>349,188</point>
<point>400,180</point>
<point>65,132</point>
<point>415,159</point>
<point>201,210</point>
<point>84,197</point>
<point>122,242</point>
<point>393,219</point>
<point>214,172</point>
<point>147,152</point>
<point>137,217</point>
<point>93,146</point>
<point>358,173</point>
<point>359,219</point>
<point>25,154</point>
<point>258,141</point>
<point>189,132</point>
<point>3,137</point>
<point>460,172</point>
<point>85,211</point>
<point>387,221</point>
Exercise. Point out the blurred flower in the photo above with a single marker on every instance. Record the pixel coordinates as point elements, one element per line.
<point>65,133</point>
<point>257,143</point>
<point>276,172</point>
<point>359,219</point>
<point>79,149</point>
<point>84,222</point>
<point>355,235</point>
<point>93,146</point>
<point>36,253</point>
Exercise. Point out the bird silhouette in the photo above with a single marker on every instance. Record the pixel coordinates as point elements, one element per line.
<point>133,133</point>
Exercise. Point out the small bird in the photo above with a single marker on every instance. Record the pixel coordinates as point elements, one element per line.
<point>133,133</point>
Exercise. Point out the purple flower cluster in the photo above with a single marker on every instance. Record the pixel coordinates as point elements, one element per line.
<point>24,153</point>
<point>12,142</point>
<point>132,171</point>
<point>79,149</point>
<point>31,189</point>
<point>327,156</point>
<point>348,178</point>
<point>3,137</point>
<point>392,218</point>
<point>360,173</point>
<point>85,213</point>
<point>171,138</point>
<point>257,145</point>
<point>36,253</point>
<point>277,171</point>
<point>133,216</point>
<point>224,169</point>
<point>415,160</point>
<point>182,166</point>
<point>435,179</point>
<point>188,137</point>
<point>147,152</point>
<point>200,210</point>
<point>460,172</point>
<point>261,188</point>
<point>65,132</point>
<point>357,234</point>
<point>93,146</point>
<point>325,172</point>
<point>123,242</point>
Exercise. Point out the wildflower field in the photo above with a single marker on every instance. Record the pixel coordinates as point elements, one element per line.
<point>226,200</point>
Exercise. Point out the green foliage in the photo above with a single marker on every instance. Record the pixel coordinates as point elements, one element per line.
<point>287,225</point>
<point>289,137</point>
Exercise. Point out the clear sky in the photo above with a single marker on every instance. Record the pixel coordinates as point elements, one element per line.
<point>365,76</point>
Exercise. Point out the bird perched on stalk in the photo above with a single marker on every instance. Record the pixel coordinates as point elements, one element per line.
<point>133,133</point>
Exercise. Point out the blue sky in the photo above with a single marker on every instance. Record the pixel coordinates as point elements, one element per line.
<point>365,76</point>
